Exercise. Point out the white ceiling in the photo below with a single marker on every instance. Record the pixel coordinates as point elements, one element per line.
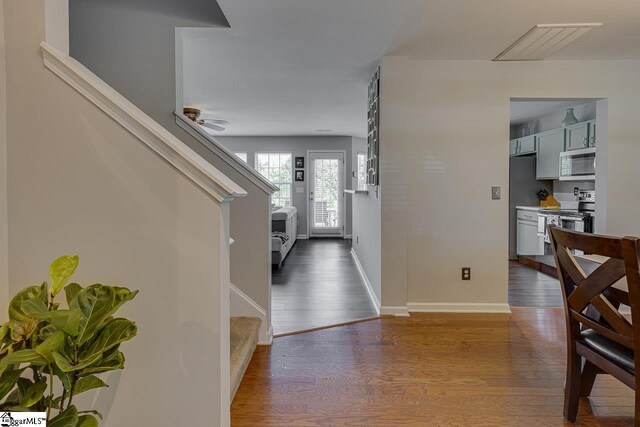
<point>291,67</point>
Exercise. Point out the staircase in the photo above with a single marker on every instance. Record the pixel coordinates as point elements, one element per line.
<point>244,340</point>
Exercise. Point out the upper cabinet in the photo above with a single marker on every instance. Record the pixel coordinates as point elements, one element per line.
<point>592,133</point>
<point>550,145</point>
<point>577,136</point>
<point>522,146</point>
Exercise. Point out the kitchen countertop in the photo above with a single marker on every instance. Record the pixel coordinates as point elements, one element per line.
<point>530,208</point>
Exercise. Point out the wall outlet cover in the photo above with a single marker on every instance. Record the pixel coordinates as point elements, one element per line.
<point>466,273</point>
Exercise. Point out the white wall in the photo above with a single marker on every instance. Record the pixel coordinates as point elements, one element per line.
<point>4,273</point>
<point>298,145</point>
<point>81,184</point>
<point>444,127</point>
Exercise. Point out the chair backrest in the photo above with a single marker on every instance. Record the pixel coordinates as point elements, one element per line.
<point>591,300</point>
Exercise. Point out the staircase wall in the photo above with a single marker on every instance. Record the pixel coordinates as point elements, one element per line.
<point>131,44</point>
<point>4,265</point>
<point>79,183</point>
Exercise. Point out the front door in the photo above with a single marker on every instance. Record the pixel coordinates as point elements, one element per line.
<point>326,194</point>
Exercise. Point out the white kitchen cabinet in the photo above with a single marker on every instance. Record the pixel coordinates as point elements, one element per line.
<point>522,146</point>
<point>592,133</point>
<point>513,147</point>
<point>528,241</point>
<point>550,145</point>
<point>577,136</point>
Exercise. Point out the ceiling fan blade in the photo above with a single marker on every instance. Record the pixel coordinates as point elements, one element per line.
<point>212,126</point>
<point>216,121</point>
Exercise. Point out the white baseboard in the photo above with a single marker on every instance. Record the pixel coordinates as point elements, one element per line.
<point>372,294</point>
<point>437,307</point>
<point>268,339</point>
<point>398,311</point>
<point>303,237</point>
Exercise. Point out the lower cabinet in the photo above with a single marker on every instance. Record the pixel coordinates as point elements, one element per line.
<point>528,242</point>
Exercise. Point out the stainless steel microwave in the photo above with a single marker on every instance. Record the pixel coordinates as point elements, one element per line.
<point>578,165</point>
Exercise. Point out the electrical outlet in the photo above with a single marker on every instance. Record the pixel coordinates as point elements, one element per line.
<point>357,239</point>
<point>466,273</point>
<point>495,193</point>
<point>575,191</point>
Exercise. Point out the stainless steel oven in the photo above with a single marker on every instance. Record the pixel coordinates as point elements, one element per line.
<point>578,165</point>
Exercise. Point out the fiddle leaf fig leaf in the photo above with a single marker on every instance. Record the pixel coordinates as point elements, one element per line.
<point>61,271</point>
<point>88,383</point>
<point>22,330</point>
<point>16,312</point>
<point>92,411</point>
<point>71,292</point>
<point>34,393</point>
<point>23,356</point>
<point>50,345</point>
<point>109,363</point>
<point>67,418</point>
<point>66,366</point>
<point>112,334</point>
<point>121,296</point>
<point>96,303</point>
<point>66,320</point>
<point>8,381</point>
<point>87,421</point>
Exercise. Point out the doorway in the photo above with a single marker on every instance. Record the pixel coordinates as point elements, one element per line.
<point>326,193</point>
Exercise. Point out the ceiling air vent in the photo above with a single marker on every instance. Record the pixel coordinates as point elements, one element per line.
<point>543,41</point>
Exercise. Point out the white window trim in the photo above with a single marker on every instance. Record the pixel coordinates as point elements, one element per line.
<point>358,154</point>
<point>244,153</point>
<point>255,165</point>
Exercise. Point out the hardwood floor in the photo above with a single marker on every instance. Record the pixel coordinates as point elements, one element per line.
<point>531,288</point>
<point>427,370</point>
<point>318,285</point>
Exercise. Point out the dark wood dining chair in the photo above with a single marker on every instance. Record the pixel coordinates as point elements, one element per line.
<point>599,338</point>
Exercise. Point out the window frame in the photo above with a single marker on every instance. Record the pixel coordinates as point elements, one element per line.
<point>361,185</point>
<point>246,156</point>
<point>256,156</point>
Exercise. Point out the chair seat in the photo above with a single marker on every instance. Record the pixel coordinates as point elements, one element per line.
<point>617,353</point>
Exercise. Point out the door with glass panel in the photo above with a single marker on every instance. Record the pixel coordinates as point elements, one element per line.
<point>326,194</point>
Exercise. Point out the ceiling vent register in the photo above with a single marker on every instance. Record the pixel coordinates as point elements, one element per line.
<point>544,40</point>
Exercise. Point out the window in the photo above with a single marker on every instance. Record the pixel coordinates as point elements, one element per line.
<point>277,168</point>
<point>242,155</point>
<point>362,171</point>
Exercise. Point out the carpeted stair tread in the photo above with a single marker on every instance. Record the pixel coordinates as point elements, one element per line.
<point>244,339</point>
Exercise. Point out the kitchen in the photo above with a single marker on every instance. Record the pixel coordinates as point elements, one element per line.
<point>553,179</point>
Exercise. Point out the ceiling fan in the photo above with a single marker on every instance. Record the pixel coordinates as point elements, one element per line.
<point>213,124</point>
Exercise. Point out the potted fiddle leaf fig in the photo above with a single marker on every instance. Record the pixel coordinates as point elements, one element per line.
<point>47,342</point>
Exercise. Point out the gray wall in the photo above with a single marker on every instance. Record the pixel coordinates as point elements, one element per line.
<point>4,273</point>
<point>366,227</point>
<point>298,145</point>
<point>130,44</point>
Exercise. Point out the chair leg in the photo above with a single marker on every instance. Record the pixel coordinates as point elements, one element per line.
<point>589,373</point>
<point>572,385</point>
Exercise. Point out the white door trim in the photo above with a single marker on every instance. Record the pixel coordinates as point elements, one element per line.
<point>344,184</point>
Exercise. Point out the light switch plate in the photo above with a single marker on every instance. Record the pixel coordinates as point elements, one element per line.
<point>495,193</point>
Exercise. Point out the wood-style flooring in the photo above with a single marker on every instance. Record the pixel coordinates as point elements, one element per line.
<point>318,285</point>
<point>531,288</point>
<point>426,370</point>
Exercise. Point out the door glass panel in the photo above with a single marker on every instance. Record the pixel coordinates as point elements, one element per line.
<point>326,196</point>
